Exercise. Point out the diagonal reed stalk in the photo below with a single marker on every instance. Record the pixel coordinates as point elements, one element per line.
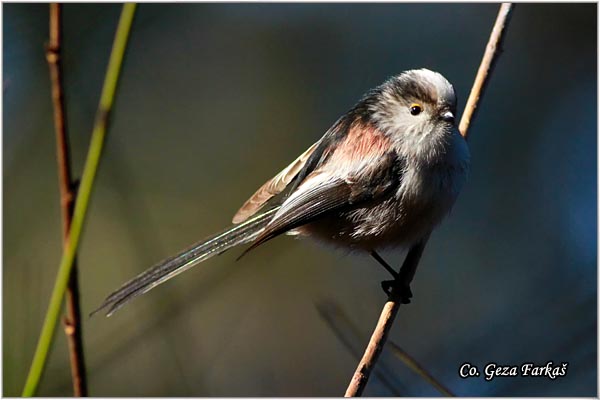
<point>418,369</point>
<point>359,380</point>
<point>349,335</point>
<point>83,198</point>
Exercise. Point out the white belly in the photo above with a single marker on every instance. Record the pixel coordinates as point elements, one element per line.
<point>426,194</point>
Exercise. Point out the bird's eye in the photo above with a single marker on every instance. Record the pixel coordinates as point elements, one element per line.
<point>415,109</point>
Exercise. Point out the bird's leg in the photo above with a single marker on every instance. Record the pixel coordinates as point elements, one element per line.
<point>394,288</point>
<point>399,287</point>
<point>384,264</point>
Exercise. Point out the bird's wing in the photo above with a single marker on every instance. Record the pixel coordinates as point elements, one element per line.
<point>273,186</point>
<point>299,168</point>
<point>323,193</point>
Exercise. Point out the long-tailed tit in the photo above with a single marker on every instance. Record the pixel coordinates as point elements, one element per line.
<point>385,174</point>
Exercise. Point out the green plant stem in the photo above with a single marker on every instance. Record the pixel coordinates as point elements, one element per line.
<point>82,201</point>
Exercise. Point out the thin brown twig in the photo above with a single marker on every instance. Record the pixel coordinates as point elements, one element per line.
<point>492,52</point>
<point>384,324</point>
<point>390,309</point>
<point>67,200</point>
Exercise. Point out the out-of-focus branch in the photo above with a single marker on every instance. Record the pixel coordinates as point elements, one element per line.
<point>349,335</point>
<point>390,309</point>
<point>418,369</point>
<point>73,328</point>
<point>90,169</point>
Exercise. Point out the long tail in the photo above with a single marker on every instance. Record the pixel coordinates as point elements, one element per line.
<point>217,244</point>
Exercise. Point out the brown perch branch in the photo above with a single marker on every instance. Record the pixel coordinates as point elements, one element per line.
<point>390,309</point>
<point>67,199</point>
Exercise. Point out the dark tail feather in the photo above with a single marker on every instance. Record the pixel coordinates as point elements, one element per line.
<point>167,269</point>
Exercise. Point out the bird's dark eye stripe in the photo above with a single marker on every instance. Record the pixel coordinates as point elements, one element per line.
<point>415,109</point>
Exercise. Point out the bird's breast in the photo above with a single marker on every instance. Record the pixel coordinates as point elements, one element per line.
<point>425,194</point>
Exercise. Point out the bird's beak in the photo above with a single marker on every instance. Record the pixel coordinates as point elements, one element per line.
<point>447,116</point>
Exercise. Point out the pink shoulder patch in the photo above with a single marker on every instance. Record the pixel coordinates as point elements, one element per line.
<point>362,141</point>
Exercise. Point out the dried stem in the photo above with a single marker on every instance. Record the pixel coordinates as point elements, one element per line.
<point>386,319</point>
<point>390,309</point>
<point>492,52</point>
<point>417,368</point>
<point>73,328</point>
<point>348,333</point>
<point>83,198</point>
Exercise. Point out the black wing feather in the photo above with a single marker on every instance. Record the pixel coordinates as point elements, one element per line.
<point>305,208</point>
<point>332,196</point>
<point>335,134</point>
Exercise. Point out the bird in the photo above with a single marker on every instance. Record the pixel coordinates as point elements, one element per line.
<point>384,175</point>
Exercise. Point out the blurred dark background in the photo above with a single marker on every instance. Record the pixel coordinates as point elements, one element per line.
<point>216,98</point>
